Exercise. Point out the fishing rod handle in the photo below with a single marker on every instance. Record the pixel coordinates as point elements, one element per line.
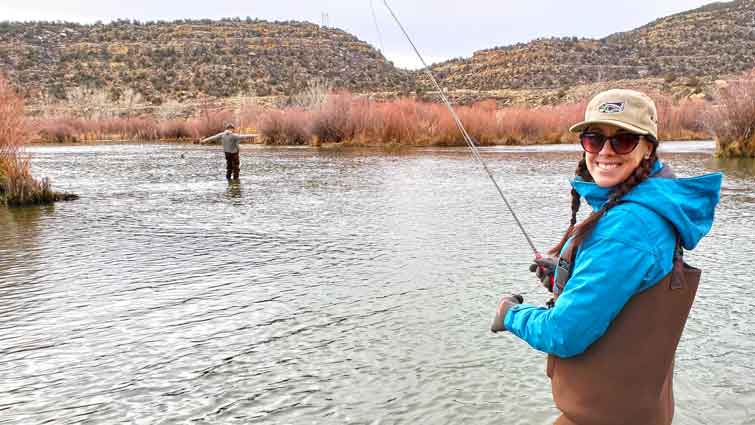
<point>552,279</point>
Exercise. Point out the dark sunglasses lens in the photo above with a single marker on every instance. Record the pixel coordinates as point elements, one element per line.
<point>624,143</point>
<point>592,142</point>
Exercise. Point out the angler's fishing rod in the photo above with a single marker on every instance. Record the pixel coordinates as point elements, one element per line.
<point>467,138</point>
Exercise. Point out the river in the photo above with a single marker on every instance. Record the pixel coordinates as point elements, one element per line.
<point>328,287</point>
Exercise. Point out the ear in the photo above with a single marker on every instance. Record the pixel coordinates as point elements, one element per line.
<point>648,149</point>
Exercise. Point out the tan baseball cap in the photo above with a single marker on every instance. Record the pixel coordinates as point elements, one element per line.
<point>628,109</point>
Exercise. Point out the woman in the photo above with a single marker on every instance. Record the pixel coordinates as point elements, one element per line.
<point>622,293</point>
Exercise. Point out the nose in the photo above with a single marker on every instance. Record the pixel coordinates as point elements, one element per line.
<point>607,149</point>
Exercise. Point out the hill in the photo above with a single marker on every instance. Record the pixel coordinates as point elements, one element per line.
<point>714,40</point>
<point>185,59</point>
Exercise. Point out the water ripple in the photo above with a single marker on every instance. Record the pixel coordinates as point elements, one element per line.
<point>328,286</point>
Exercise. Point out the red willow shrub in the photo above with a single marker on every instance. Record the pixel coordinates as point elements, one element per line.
<point>342,117</point>
<point>175,129</point>
<point>248,115</point>
<point>209,123</point>
<point>397,122</point>
<point>70,129</point>
<point>359,121</point>
<point>17,186</point>
<point>681,120</point>
<point>733,120</point>
<point>288,127</point>
<point>56,130</point>
<point>332,121</point>
<point>13,133</point>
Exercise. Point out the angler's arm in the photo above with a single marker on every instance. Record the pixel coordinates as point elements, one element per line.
<point>607,274</point>
<point>211,138</point>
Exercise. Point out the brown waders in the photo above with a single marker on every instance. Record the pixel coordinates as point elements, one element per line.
<point>232,165</point>
<point>625,377</point>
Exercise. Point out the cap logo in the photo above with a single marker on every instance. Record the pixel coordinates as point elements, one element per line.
<point>611,108</point>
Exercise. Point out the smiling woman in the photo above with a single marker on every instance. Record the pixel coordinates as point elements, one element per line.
<point>622,292</point>
<point>611,163</point>
<point>628,121</point>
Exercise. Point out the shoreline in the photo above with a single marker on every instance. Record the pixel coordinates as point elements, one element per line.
<point>331,145</point>
<point>687,145</point>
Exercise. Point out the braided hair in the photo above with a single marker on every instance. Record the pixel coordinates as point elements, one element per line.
<point>580,231</point>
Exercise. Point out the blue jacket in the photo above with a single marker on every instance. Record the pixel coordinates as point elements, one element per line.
<point>629,250</point>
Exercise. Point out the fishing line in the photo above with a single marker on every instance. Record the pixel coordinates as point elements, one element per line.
<point>377,28</point>
<point>467,138</point>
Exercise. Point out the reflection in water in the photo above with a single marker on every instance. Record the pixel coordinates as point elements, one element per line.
<point>735,167</point>
<point>18,237</point>
<point>339,288</point>
<point>234,190</point>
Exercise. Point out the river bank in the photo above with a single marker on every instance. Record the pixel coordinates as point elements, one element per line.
<point>360,121</point>
<point>320,117</point>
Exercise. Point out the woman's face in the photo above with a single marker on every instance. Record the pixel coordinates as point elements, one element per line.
<point>607,167</point>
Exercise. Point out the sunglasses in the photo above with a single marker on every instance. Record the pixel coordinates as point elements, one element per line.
<point>621,143</point>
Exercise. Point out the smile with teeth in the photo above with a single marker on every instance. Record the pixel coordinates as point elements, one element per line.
<point>607,165</point>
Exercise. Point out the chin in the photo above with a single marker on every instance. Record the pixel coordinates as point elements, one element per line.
<point>609,178</point>
<point>606,182</point>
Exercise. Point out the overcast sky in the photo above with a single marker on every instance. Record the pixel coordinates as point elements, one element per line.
<point>442,29</point>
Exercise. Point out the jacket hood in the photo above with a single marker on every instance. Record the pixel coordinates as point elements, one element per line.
<point>688,203</point>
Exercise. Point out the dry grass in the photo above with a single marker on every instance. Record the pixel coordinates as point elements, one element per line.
<point>733,120</point>
<point>289,127</point>
<point>359,121</point>
<point>682,120</point>
<point>343,118</point>
<point>141,128</point>
<point>17,186</point>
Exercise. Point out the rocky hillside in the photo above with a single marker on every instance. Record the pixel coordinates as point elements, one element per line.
<point>708,42</point>
<point>181,60</point>
<point>187,60</point>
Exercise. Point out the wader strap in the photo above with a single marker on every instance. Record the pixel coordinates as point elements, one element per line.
<point>564,268</point>
<point>566,260</point>
<point>677,280</point>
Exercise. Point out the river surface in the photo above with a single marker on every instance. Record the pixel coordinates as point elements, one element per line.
<point>327,287</point>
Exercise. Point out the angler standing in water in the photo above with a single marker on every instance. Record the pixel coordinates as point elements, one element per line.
<point>231,142</point>
<point>622,292</point>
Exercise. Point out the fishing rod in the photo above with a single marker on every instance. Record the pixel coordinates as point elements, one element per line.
<point>467,138</point>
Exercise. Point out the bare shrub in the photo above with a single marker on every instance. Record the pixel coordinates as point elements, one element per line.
<point>400,121</point>
<point>17,186</point>
<point>681,120</point>
<point>174,129</point>
<point>332,122</point>
<point>289,127</point>
<point>313,96</point>
<point>56,130</point>
<point>537,125</point>
<point>13,134</point>
<point>209,123</point>
<point>140,128</point>
<point>733,119</point>
<point>248,114</point>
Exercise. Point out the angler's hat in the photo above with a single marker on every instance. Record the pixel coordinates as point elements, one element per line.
<point>628,109</point>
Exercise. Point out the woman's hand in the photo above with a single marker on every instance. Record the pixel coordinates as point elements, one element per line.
<point>544,268</point>
<point>503,306</point>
